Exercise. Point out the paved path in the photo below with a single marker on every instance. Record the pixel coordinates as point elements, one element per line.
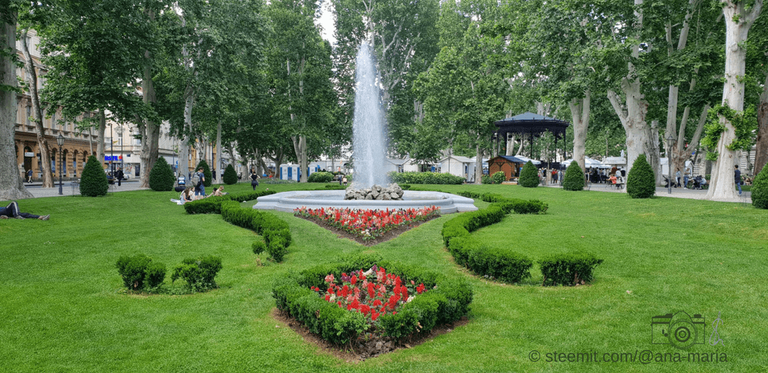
<point>67,190</point>
<point>664,192</point>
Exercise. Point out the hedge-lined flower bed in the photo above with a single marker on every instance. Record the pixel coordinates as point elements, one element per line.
<point>306,297</point>
<point>368,224</point>
<point>506,265</point>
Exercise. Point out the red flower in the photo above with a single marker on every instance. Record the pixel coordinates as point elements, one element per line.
<point>353,280</point>
<point>327,297</point>
<point>374,315</point>
<point>376,303</point>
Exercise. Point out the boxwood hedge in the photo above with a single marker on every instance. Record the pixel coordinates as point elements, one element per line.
<point>568,269</point>
<point>445,302</point>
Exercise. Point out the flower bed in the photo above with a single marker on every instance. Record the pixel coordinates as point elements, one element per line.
<point>420,301</point>
<point>368,224</point>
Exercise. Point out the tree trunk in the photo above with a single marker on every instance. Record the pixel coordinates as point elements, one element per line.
<point>189,102</point>
<point>100,132</point>
<point>510,146</point>
<point>42,142</point>
<point>737,24</point>
<point>580,114</point>
<point>11,183</point>
<point>478,163</point>
<point>151,139</point>
<point>300,148</point>
<point>761,149</point>
<point>218,151</point>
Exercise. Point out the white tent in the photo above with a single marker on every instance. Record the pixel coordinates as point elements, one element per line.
<point>526,159</point>
<point>588,163</point>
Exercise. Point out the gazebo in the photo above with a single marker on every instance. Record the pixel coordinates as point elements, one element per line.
<point>532,125</point>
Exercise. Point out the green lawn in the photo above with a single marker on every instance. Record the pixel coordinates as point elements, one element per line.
<point>62,309</point>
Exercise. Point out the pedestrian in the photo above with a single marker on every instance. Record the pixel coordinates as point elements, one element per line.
<point>200,187</point>
<point>737,177</point>
<point>254,179</point>
<point>677,178</point>
<point>120,175</point>
<point>29,176</point>
<point>12,211</point>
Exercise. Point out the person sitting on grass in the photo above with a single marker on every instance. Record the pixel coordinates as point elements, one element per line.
<point>12,211</point>
<point>217,192</point>
<point>187,195</point>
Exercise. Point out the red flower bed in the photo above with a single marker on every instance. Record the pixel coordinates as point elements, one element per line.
<point>368,224</point>
<point>373,293</point>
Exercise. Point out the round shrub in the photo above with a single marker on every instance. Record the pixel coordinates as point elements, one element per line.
<point>206,171</point>
<point>161,177</point>
<point>93,182</point>
<point>485,179</point>
<point>320,177</point>
<point>198,273</point>
<point>139,270</point>
<point>259,247</point>
<point>574,177</point>
<point>529,176</point>
<point>499,177</point>
<point>760,189</point>
<point>641,181</point>
<point>230,175</point>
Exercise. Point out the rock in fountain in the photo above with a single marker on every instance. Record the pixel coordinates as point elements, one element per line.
<point>376,193</point>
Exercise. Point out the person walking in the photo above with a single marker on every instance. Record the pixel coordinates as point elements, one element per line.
<point>120,175</point>
<point>29,176</point>
<point>737,177</point>
<point>200,187</point>
<point>12,211</point>
<point>677,178</point>
<point>254,179</point>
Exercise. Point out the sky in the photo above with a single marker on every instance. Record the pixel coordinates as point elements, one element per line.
<point>326,21</point>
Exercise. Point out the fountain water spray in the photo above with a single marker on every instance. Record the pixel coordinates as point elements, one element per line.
<point>369,141</point>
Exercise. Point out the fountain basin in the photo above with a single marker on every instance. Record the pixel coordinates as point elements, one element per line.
<point>314,199</point>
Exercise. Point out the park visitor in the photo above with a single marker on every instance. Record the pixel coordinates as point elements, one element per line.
<point>12,211</point>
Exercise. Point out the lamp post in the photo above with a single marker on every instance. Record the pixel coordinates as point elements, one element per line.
<point>670,142</point>
<point>120,133</point>
<point>60,141</point>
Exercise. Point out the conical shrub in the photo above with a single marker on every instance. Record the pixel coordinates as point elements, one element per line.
<point>93,181</point>
<point>641,181</point>
<point>161,177</point>
<point>206,171</point>
<point>230,175</point>
<point>760,189</point>
<point>529,177</point>
<point>574,177</point>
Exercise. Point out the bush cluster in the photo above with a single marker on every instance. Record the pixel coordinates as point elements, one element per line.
<point>320,177</point>
<point>500,264</point>
<point>230,175</point>
<point>212,205</point>
<point>568,269</point>
<point>499,177</point>
<point>93,181</point>
<point>529,176</point>
<point>445,302</point>
<point>641,181</point>
<point>206,171</point>
<point>199,273</point>
<point>161,177</point>
<point>277,236</point>
<point>574,177</point>
<point>139,272</point>
<point>485,179</point>
<point>760,189</point>
<point>424,178</point>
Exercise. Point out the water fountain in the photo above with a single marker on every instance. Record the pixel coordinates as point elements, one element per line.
<point>369,144</point>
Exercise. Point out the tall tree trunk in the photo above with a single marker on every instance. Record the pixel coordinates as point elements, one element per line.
<point>189,102</point>
<point>100,132</point>
<point>580,114</point>
<point>510,146</point>
<point>11,183</point>
<point>42,142</point>
<point>151,137</point>
<point>218,151</point>
<point>478,162</point>
<point>737,23</point>
<point>761,150</point>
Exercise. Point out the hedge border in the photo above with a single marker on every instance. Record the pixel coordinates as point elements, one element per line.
<point>447,301</point>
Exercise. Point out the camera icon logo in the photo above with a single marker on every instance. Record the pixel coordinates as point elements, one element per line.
<point>680,329</point>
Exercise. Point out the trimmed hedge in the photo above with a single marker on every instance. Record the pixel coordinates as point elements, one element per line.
<point>445,302</point>
<point>212,205</point>
<point>230,175</point>
<point>206,172</point>
<point>499,177</point>
<point>93,181</point>
<point>424,178</point>
<point>574,177</point>
<point>760,189</point>
<point>199,273</point>
<point>529,176</point>
<point>320,177</point>
<point>568,269</point>
<point>161,177</point>
<point>139,270</point>
<point>641,181</point>
<point>276,233</point>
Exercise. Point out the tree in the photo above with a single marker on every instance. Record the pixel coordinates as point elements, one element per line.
<point>161,177</point>
<point>230,175</point>
<point>93,181</point>
<point>757,69</point>
<point>641,180</point>
<point>739,17</point>
<point>11,182</point>
<point>760,189</point>
<point>574,177</point>
<point>528,176</point>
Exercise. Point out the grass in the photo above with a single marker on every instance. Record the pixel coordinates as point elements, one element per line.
<point>62,309</point>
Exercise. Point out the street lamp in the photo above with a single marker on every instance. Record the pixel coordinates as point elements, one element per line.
<point>122,158</point>
<point>60,141</point>
<point>670,142</point>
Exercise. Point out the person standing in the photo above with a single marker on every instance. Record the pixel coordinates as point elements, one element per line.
<point>677,178</point>
<point>737,177</point>
<point>254,179</point>
<point>200,187</point>
<point>29,176</point>
<point>120,175</point>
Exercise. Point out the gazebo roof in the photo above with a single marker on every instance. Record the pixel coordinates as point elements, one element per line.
<point>531,123</point>
<point>511,159</point>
